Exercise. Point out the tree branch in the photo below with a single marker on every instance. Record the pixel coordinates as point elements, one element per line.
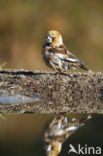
<point>46,92</point>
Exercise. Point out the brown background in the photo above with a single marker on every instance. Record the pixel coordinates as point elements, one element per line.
<point>24,23</point>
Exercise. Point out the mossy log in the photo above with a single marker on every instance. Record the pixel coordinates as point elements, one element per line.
<point>49,92</point>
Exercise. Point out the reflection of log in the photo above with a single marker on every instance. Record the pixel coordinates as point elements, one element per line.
<point>51,92</point>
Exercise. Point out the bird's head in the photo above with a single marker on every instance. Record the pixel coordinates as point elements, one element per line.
<point>54,149</point>
<point>54,38</point>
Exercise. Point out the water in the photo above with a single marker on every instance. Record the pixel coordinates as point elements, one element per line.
<point>10,99</point>
<point>23,134</point>
<point>40,134</point>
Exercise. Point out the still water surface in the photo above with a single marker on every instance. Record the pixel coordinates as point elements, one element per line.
<point>22,135</point>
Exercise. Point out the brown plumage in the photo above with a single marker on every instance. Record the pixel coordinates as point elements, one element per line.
<point>58,130</point>
<point>57,56</point>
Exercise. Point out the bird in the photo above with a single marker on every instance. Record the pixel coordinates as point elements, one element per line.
<point>57,56</point>
<point>57,131</point>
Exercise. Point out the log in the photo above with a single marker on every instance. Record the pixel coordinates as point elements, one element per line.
<point>49,92</point>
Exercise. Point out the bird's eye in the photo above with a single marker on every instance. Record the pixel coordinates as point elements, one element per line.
<point>52,148</point>
<point>53,38</point>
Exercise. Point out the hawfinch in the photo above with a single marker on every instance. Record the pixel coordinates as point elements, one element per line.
<point>57,56</point>
<point>57,131</point>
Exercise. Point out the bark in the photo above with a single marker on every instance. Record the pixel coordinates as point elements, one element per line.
<point>47,92</point>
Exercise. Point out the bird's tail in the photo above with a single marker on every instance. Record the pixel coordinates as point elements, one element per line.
<point>78,65</point>
<point>75,63</point>
<point>82,65</point>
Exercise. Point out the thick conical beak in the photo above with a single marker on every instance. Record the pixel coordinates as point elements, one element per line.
<point>48,39</point>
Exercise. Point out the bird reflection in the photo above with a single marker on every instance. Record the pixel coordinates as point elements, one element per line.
<point>57,131</point>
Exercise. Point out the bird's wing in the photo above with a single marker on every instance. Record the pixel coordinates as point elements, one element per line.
<point>65,54</point>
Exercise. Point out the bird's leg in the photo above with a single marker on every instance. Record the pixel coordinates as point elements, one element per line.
<point>53,67</point>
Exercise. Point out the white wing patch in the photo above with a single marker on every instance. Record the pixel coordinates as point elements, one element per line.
<point>69,59</point>
<point>72,128</point>
<point>72,60</point>
<point>61,56</point>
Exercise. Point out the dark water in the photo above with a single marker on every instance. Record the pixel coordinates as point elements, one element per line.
<point>22,134</point>
<point>39,134</point>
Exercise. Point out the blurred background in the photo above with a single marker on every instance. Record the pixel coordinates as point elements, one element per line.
<point>24,23</point>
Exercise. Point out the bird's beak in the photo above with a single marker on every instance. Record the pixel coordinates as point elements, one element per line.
<point>48,39</point>
<point>48,148</point>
